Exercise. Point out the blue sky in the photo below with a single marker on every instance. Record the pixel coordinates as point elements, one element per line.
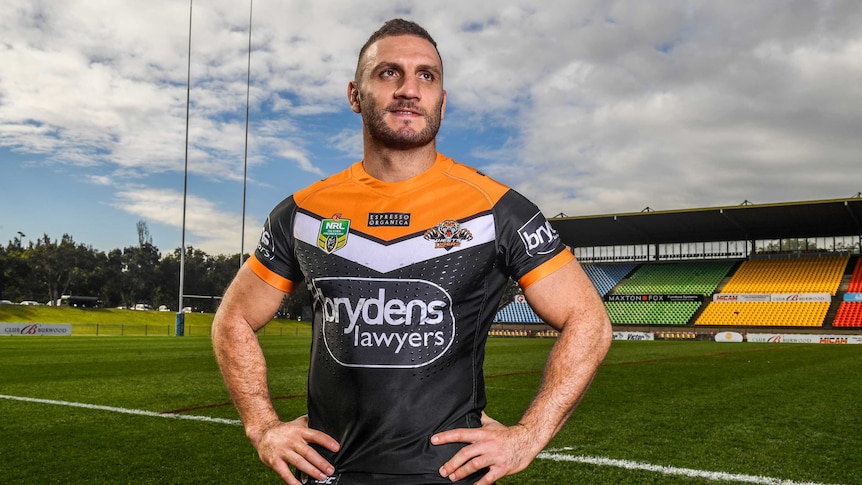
<point>586,107</point>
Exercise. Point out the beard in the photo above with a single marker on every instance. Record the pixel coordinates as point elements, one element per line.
<point>405,137</point>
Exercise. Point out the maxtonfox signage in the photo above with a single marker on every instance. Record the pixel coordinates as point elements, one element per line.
<point>653,298</point>
<point>378,322</point>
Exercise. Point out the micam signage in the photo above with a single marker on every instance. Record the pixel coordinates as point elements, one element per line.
<point>35,329</point>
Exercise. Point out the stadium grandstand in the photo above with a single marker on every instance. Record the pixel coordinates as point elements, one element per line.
<point>689,274</point>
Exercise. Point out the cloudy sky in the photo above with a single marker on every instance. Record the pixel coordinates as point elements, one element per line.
<point>585,106</point>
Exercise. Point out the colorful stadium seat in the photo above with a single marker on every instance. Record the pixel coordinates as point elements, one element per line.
<point>788,275</point>
<point>684,278</point>
<point>651,313</point>
<point>856,279</point>
<point>791,314</point>
<point>606,276</point>
<point>517,311</point>
<point>849,314</point>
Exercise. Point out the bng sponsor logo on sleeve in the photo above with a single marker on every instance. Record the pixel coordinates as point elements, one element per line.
<point>538,236</point>
<point>266,246</point>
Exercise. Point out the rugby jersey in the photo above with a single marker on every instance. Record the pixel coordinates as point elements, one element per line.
<point>406,278</point>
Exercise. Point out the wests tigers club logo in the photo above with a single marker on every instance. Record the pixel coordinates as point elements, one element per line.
<point>448,234</point>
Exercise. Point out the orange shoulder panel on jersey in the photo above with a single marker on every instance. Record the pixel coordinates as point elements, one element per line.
<point>332,181</point>
<point>491,190</point>
<point>268,276</point>
<point>545,269</point>
<point>448,187</point>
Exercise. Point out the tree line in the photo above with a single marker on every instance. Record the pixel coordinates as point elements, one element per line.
<point>46,269</point>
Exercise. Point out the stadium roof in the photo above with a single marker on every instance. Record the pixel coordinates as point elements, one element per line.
<point>818,218</point>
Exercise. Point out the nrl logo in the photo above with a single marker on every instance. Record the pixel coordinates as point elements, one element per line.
<point>333,233</point>
<point>448,234</point>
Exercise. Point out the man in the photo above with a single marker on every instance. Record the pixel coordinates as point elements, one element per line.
<point>406,254</point>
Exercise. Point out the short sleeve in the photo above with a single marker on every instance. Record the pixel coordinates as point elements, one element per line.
<point>274,260</point>
<point>528,246</point>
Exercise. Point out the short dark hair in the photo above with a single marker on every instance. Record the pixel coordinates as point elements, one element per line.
<point>394,28</point>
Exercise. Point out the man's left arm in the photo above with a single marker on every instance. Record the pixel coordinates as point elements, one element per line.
<point>567,300</point>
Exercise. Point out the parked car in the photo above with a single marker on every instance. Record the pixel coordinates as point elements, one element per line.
<point>143,306</point>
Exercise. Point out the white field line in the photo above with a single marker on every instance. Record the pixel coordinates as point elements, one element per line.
<point>113,409</point>
<point>553,454</point>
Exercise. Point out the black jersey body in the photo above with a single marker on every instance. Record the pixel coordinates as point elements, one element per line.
<point>406,279</point>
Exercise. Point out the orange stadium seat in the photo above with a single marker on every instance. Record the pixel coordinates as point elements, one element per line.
<point>856,279</point>
<point>849,314</point>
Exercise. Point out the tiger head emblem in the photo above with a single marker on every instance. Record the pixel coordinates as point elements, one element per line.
<point>448,234</point>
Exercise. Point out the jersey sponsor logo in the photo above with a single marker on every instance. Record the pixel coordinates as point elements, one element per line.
<point>538,236</point>
<point>333,233</point>
<point>396,219</point>
<point>266,246</point>
<point>330,480</point>
<point>448,234</point>
<point>384,322</point>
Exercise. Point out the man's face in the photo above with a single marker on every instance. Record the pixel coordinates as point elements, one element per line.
<point>400,92</point>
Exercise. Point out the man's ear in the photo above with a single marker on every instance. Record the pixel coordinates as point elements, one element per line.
<point>353,97</point>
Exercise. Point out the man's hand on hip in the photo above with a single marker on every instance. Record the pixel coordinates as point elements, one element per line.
<point>283,444</point>
<point>504,450</point>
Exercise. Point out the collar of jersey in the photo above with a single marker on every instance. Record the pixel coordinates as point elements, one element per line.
<point>430,176</point>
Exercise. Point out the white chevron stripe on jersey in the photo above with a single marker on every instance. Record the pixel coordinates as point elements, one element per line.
<point>384,258</point>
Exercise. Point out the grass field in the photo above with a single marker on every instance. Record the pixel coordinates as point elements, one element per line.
<point>132,323</point>
<point>696,412</point>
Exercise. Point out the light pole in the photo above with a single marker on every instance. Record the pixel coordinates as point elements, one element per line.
<point>181,322</point>
<point>245,158</point>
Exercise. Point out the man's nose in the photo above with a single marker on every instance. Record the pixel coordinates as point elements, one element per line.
<point>409,88</point>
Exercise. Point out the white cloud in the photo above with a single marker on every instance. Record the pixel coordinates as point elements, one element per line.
<point>349,141</point>
<point>208,226</point>
<point>598,106</point>
<point>763,115</point>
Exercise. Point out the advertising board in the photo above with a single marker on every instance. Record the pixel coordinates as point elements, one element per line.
<point>728,337</point>
<point>634,336</point>
<point>650,298</point>
<point>775,297</point>
<point>35,329</point>
<point>789,338</point>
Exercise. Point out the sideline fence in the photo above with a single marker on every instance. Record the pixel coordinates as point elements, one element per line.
<point>167,330</point>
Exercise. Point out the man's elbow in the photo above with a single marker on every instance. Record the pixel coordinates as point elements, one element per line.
<point>593,331</point>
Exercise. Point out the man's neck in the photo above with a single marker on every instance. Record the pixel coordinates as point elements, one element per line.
<point>396,165</point>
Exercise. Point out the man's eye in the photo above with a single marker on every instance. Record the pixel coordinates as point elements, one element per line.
<point>427,76</point>
<point>388,73</point>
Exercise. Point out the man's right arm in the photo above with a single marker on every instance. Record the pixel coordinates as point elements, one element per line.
<point>248,304</point>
